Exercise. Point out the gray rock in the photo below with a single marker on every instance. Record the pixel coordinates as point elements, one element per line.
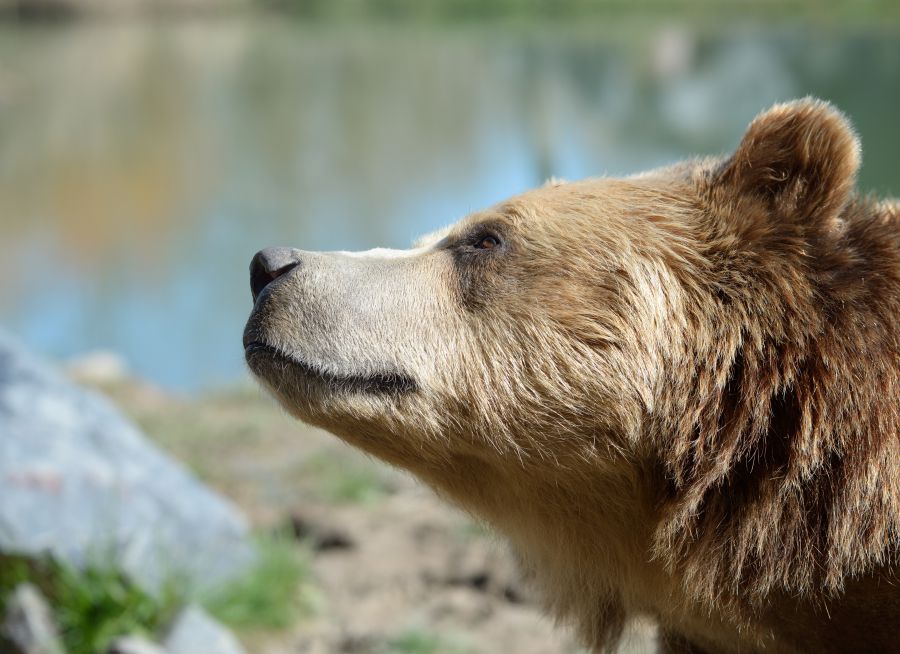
<point>28,626</point>
<point>81,482</point>
<point>134,645</point>
<point>195,632</point>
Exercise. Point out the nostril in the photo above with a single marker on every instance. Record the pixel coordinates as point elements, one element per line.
<point>259,279</point>
<point>270,264</point>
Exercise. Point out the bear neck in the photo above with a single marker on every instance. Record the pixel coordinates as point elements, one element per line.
<point>781,445</point>
<point>584,542</point>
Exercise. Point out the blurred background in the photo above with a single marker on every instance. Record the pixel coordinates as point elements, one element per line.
<point>149,147</point>
<point>144,159</point>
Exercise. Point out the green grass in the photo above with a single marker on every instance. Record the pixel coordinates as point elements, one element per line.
<point>273,594</point>
<point>14,570</point>
<point>92,605</point>
<point>416,641</point>
<point>95,604</point>
<point>344,481</point>
<point>862,11</point>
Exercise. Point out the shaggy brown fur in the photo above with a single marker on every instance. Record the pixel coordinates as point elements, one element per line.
<point>678,394</point>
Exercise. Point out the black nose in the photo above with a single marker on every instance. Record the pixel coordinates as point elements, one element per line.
<point>270,264</point>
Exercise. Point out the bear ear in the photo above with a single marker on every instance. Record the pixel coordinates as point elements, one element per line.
<point>800,157</point>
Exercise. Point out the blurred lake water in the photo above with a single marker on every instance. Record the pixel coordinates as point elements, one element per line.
<point>143,163</point>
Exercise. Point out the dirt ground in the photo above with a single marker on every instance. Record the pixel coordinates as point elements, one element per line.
<point>394,570</point>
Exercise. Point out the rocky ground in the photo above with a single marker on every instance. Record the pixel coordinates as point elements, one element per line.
<point>393,570</point>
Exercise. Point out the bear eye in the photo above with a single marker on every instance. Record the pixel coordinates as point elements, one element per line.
<point>487,242</point>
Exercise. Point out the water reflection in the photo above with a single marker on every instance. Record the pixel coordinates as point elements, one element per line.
<point>141,165</point>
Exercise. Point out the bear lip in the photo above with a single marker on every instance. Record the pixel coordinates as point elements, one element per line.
<point>381,383</point>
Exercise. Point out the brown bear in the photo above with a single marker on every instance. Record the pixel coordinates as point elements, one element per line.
<point>676,394</point>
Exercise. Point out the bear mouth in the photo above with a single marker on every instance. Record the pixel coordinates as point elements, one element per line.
<point>381,383</point>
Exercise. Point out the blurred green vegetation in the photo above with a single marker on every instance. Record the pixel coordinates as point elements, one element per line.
<point>92,605</point>
<point>336,479</point>
<point>443,11</point>
<point>474,10</point>
<point>13,571</point>
<point>96,603</point>
<point>420,641</point>
<point>274,594</point>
